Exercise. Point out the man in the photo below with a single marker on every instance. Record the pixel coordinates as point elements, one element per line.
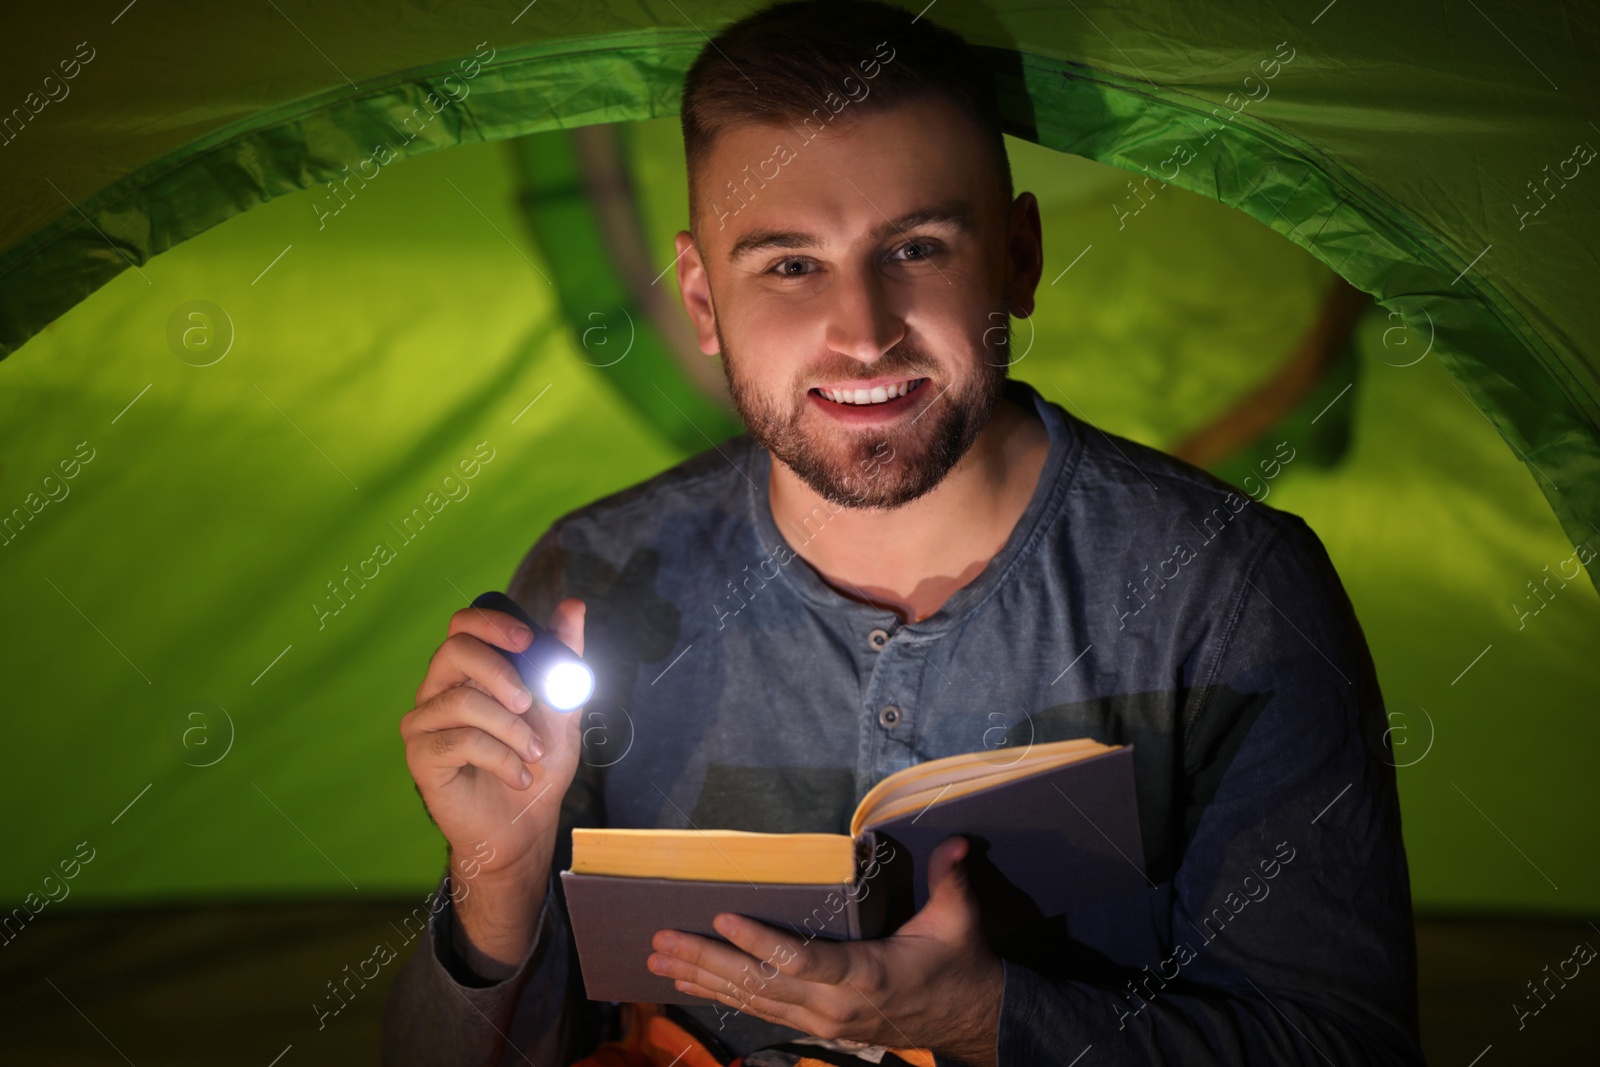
<point>909,556</point>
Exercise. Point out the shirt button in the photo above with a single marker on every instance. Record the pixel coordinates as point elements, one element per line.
<point>877,639</point>
<point>889,716</point>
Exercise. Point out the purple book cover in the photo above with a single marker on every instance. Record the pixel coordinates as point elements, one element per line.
<point>1045,844</point>
<point>614,920</point>
<point>1042,845</point>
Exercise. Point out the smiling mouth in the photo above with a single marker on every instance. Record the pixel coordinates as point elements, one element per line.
<point>880,394</point>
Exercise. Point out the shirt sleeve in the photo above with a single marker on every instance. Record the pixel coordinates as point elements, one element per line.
<point>1286,933</point>
<point>438,1011</point>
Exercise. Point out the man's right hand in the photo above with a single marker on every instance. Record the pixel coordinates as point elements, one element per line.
<point>492,763</point>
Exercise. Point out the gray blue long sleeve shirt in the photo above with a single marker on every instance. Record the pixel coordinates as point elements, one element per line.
<point>1137,601</point>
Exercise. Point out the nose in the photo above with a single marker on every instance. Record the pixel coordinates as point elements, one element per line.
<point>862,321</point>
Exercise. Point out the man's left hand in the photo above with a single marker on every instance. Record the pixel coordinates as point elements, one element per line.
<point>934,983</point>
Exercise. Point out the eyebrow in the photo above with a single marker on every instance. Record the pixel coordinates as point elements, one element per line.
<point>955,217</point>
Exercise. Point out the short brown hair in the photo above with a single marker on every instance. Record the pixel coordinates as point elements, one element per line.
<point>782,65</point>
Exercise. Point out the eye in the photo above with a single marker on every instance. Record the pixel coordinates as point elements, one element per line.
<point>916,251</point>
<point>791,267</point>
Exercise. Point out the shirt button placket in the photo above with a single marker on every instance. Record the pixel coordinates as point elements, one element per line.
<point>888,739</point>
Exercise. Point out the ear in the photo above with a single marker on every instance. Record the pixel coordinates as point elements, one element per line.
<point>695,287</point>
<point>1024,254</point>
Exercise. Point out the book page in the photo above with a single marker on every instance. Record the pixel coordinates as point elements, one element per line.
<point>959,775</point>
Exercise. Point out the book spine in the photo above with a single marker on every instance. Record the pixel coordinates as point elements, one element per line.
<point>866,848</point>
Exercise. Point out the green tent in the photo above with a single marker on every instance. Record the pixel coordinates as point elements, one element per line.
<point>257,330</point>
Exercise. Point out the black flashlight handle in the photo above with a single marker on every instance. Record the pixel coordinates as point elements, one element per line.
<point>495,600</point>
<point>542,652</point>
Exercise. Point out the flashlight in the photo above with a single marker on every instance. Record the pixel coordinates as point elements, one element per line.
<point>552,671</point>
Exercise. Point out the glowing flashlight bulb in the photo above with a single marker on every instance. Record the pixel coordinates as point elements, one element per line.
<point>568,686</point>
<point>552,671</point>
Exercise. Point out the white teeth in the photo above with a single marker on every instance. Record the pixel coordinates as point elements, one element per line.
<point>877,395</point>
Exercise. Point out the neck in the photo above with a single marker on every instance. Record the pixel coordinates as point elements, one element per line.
<point>912,559</point>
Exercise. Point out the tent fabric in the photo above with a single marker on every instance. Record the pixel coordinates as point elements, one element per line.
<point>1343,149</point>
<point>617,332</point>
<point>229,715</point>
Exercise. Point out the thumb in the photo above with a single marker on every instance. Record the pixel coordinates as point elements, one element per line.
<point>566,622</point>
<point>952,906</point>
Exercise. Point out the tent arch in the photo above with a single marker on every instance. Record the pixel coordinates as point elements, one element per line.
<point>1532,382</point>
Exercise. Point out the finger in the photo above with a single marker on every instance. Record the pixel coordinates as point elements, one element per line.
<point>709,962</point>
<point>566,622</point>
<point>464,707</point>
<point>438,756</point>
<point>946,869</point>
<point>493,627</point>
<point>806,960</point>
<point>464,658</point>
<point>951,913</point>
<point>728,975</point>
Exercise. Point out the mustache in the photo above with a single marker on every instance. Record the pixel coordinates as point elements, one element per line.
<point>904,359</point>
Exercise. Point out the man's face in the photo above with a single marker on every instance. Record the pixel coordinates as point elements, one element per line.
<point>857,286</point>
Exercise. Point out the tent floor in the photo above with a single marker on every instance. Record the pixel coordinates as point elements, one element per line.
<point>238,984</point>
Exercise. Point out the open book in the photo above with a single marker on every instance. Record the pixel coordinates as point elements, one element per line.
<point>1052,827</point>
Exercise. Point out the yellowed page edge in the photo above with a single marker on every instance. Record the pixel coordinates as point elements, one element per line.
<point>888,798</point>
<point>710,855</point>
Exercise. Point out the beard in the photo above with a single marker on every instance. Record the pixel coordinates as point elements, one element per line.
<point>877,467</point>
